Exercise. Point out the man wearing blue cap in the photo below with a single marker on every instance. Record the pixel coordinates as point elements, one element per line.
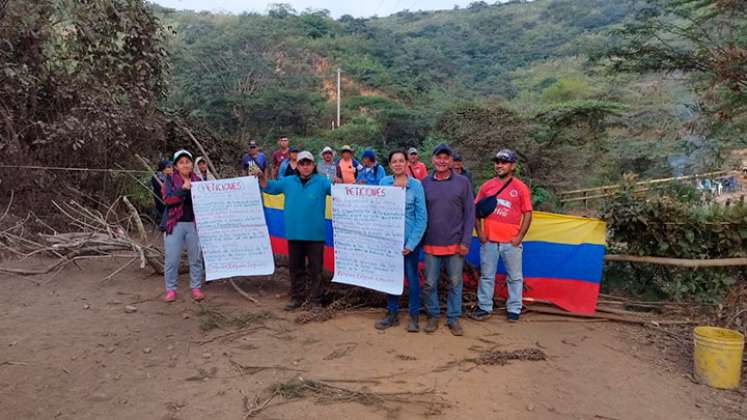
<point>372,173</point>
<point>451,217</point>
<point>501,228</point>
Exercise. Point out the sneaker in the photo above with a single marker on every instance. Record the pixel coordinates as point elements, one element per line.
<point>432,325</point>
<point>170,296</point>
<point>456,328</point>
<point>512,317</point>
<point>293,305</point>
<point>390,320</point>
<point>412,324</point>
<point>479,314</point>
<point>197,295</point>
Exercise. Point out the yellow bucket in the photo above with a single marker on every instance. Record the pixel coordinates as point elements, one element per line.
<point>718,356</point>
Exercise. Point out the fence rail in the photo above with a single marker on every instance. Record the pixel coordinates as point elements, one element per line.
<point>586,194</point>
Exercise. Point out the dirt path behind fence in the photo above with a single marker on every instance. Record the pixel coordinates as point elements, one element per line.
<point>73,350</point>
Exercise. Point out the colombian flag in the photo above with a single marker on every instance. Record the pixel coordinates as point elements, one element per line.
<point>562,260</point>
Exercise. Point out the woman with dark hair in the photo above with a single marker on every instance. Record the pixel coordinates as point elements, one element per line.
<point>179,229</point>
<point>416,219</point>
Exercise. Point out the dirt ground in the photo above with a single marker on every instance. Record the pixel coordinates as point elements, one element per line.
<point>71,350</point>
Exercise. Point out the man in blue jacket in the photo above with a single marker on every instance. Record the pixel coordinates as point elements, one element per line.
<point>303,214</point>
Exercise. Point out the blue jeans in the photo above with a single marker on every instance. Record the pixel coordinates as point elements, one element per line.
<point>511,255</point>
<point>413,286</point>
<point>454,265</point>
<point>184,233</point>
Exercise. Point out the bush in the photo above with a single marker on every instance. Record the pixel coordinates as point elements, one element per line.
<point>671,222</point>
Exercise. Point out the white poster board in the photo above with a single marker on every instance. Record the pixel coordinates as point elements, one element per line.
<point>232,229</point>
<point>369,231</point>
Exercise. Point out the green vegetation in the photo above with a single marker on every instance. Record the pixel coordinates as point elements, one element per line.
<point>582,109</point>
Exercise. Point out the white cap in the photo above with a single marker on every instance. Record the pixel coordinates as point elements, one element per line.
<point>412,150</point>
<point>327,149</point>
<point>305,155</point>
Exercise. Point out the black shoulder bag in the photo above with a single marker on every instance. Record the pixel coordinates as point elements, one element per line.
<point>487,205</point>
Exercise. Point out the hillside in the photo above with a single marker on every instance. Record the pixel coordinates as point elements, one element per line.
<point>410,79</point>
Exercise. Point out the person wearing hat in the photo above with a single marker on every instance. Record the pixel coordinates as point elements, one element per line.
<point>501,233</point>
<point>347,168</point>
<point>253,161</point>
<point>202,170</point>
<point>460,169</point>
<point>415,168</point>
<point>179,229</point>
<point>303,215</point>
<point>165,169</point>
<point>289,166</point>
<point>448,235</point>
<point>282,153</point>
<point>327,165</point>
<point>372,173</point>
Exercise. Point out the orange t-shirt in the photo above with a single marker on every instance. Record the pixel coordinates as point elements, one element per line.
<point>505,222</point>
<point>348,172</point>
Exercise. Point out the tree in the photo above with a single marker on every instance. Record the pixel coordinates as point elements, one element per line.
<point>704,38</point>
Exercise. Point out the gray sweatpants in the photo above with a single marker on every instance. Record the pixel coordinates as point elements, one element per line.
<point>184,233</point>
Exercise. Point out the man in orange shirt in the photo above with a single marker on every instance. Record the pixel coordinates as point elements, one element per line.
<point>415,168</point>
<point>501,234</point>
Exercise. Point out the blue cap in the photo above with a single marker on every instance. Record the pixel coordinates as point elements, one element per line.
<point>368,154</point>
<point>164,164</point>
<point>505,155</point>
<point>293,149</point>
<point>442,148</point>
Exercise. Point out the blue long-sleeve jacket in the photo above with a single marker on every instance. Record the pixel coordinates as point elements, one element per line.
<point>416,215</point>
<point>371,176</point>
<point>303,213</point>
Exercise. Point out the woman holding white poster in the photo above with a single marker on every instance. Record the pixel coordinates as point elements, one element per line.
<point>416,219</point>
<point>178,226</point>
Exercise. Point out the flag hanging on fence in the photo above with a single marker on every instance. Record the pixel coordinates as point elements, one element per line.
<point>562,260</point>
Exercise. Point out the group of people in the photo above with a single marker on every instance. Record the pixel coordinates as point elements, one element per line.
<point>441,212</point>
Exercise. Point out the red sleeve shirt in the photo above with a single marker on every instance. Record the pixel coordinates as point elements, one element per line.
<point>278,156</point>
<point>505,222</point>
<point>418,170</point>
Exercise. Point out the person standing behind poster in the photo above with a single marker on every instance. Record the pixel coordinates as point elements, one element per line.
<point>303,215</point>
<point>415,168</point>
<point>254,161</point>
<point>282,153</point>
<point>327,165</point>
<point>347,167</point>
<point>451,217</point>
<point>501,233</point>
<point>416,218</point>
<point>372,173</point>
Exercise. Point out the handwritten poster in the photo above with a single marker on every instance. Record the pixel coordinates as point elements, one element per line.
<point>232,229</point>
<point>369,230</point>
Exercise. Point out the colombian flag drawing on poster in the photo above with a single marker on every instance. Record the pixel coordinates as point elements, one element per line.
<point>562,260</point>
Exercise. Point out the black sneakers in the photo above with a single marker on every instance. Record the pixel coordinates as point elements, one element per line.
<point>512,317</point>
<point>478,314</point>
<point>293,305</point>
<point>390,320</point>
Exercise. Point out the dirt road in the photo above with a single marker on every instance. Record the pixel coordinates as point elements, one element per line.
<point>71,350</point>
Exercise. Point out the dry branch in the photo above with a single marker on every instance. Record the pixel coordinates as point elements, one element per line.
<point>99,235</point>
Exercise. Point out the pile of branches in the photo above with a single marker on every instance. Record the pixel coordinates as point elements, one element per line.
<point>94,235</point>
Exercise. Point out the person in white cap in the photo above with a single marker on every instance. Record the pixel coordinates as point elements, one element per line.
<point>415,168</point>
<point>327,166</point>
<point>202,170</point>
<point>303,215</point>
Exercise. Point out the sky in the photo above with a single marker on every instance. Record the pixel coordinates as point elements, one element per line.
<point>359,8</point>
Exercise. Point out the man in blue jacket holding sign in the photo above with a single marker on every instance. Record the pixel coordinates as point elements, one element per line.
<point>303,214</point>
